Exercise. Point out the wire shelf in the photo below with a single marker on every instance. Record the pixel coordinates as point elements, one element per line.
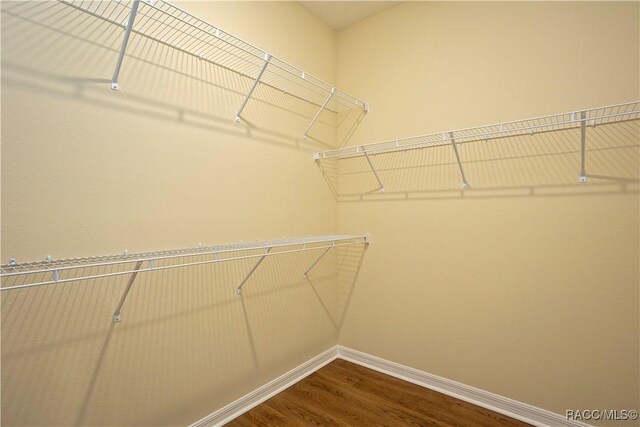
<point>556,122</point>
<point>165,23</point>
<point>52,272</point>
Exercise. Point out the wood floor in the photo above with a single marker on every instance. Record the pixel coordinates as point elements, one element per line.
<point>346,394</point>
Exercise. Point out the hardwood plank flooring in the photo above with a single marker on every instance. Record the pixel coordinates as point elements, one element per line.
<point>346,394</point>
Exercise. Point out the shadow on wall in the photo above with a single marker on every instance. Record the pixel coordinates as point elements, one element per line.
<point>543,164</point>
<point>52,48</point>
<point>186,341</point>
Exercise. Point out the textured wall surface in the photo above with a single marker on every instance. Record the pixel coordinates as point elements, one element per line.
<point>158,165</point>
<point>525,285</point>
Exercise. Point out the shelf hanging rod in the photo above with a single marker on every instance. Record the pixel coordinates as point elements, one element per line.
<point>298,72</point>
<point>154,39</point>
<point>354,241</point>
<point>180,253</point>
<point>481,132</point>
<point>474,137</point>
<point>218,35</point>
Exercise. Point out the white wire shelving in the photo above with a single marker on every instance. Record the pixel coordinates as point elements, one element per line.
<point>580,119</point>
<point>169,25</point>
<point>53,272</point>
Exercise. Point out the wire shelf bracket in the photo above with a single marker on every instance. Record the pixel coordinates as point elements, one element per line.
<point>125,41</point>
<point>580,119</point>
<point>373,169</point>
<point>267,59</point>
<point>239,288</point>
<point>465,184</point>
<point>306,272</point>
<point>117,316</point>
<point>17,276</point>
<point>324,104</point>
<point>583,145</point>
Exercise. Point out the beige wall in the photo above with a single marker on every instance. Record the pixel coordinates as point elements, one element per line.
<point>527,284</point>
<point>158,165</point>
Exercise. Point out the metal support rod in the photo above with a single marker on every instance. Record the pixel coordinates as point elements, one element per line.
<point>316,261</point>
<point>116,314</point>
<point>583,145</point>
<point>306,131</point>
<point>465,184</point>
<point>267,58</point>
<point>125,41</point>
<point>366,156</point>
<point>239,289</point>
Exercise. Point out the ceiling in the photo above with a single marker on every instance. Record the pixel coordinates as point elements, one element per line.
<point>341,14</point>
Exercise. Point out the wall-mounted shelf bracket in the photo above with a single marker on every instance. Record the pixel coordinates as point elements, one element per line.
<point>373,169</point>
<point>117,316</point>
<point>239,289</point>
<point>125,41</point>
<point>267,59</point>
<point>55,274</point>
<point>583,145</point>
<point>304,275</point>
<point>465,184</point>
<point>326,101</point>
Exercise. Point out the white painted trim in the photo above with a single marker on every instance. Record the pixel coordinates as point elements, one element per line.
<point>503,405</point>
<point>256,397</point>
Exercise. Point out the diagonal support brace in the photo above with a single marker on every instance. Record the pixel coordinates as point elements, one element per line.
<point>267,59</point>
<point>239,289</point>
<point>375,173</point>
<point>306,131</point>
<point>306,272</point>
<point>583,145</point>
<point>125,41</point>
<point>465,184</point>
<point>116,314</point>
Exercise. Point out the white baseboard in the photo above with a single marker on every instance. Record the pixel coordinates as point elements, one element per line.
<point>256,397</point>
<point>503,405</point>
